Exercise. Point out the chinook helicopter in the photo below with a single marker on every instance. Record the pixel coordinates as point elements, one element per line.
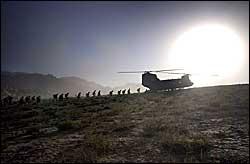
<point>151,81</point>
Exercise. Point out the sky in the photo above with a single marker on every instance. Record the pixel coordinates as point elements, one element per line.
<point>95,40</point>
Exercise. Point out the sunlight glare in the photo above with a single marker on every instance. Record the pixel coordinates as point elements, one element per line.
<point>208,49</point>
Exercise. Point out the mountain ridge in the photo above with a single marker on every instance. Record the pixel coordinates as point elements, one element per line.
<point>19,84</point>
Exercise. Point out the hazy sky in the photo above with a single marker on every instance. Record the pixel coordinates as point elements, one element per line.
<point>94,40</point>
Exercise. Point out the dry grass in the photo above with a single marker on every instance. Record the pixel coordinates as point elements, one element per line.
<point>179,126</point>
<point>89,150</point>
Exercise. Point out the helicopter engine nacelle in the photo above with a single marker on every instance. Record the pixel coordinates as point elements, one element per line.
<point>149,79</point>
<point>185,79</point>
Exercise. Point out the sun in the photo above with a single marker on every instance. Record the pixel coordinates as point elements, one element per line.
<point>207,49</point>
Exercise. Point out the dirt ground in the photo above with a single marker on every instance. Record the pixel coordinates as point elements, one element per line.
<point>209,124</point>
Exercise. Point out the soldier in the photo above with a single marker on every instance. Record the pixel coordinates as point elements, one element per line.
<point>99,93</point>
<point>21,100</point>
<point>38,99</point>
<point>129,91</point>
<point>7,100</point>
<point>27,99</point>
<point>33,98</point>
<point>55,96</point>
<point>87,94</point>
<point>119,92</point>
<point>10,100</point>
<point>2,102</point>
<point>138,90</point>
<point>124,91</point>
<point>94,93</point>
<point>61,97</point>
<point>111,93</point>
<point>66,95</point>
<point>79,95</point>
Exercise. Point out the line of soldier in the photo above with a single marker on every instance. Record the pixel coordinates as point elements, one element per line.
<point>28,99</point>
<point>23,100</point>
<point>60,97</point>
<point>119,92</point>
<point>128,91</point>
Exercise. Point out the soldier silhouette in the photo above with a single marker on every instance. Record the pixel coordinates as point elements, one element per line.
<point>138,90</point>
<point>7,100</point>
<point>27,99</point>
<point>61,97</point>
<point>38,99</point>
<point>87,94</point>
<point>119,92</point>
<point>99,93</point>
<point>79,95</point>
<point>129,91</point>
<point>124,91</point>
<point>33,98</point>
<point>66,95</point>
<point>111,93</point>
<point>21,100</point>
<point>55,96</point>
<point>94,93</point>
<point>10,100</point>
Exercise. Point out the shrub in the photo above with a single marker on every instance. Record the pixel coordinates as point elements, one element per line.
<point>68,124</point>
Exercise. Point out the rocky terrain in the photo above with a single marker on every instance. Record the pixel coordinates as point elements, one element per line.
<point>209,124</point>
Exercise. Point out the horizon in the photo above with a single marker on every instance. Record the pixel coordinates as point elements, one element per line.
<point>240,83</point>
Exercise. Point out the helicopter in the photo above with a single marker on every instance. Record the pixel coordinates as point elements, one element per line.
<point>152,82</point>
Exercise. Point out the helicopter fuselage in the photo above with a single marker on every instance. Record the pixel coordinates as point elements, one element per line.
<point>151,81</point>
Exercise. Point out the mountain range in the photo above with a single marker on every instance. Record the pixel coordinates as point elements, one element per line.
<point>19,84</point>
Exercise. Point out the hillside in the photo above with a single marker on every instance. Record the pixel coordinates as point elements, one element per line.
<point>209,124</point>
<point>20,84</point>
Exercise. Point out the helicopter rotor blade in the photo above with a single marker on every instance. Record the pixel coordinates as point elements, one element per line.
<point>204,75</point>
<point>133,72</point>
<point>165,70</point>
<point>174,73</point>
<point>191,74</point>
<point>200,74</point>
